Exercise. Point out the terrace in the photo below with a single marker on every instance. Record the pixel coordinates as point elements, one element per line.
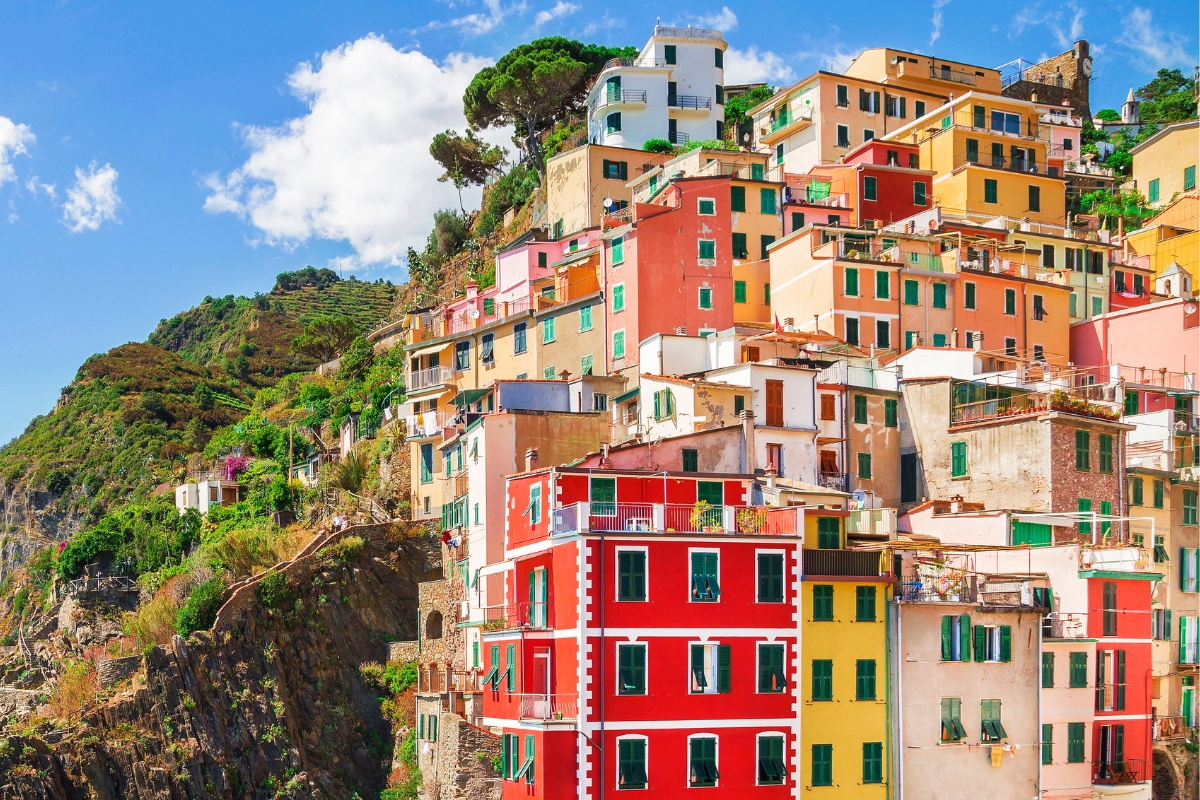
<point>675,518</point>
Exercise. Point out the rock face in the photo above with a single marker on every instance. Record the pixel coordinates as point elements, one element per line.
<point>272,705</point>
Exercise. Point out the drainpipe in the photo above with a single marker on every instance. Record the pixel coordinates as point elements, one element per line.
<point>897,686</point>
<point>602,686</point>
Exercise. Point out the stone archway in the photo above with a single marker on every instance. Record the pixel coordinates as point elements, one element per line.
<point>433,625</point>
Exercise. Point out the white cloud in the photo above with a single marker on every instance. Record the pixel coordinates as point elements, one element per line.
<point>560,10</point>
<point>480,23</point>
<point>1155,47</point>
<point>34,185</point>
<point>356,167</point>
<point>750,65</point>
<point>93,199</point>
<point>605,23</point>
<point>833,57</point>
<point>13,141</point>
<point>936,33</point>
<point>1064,35</point>
<point>723,20</point>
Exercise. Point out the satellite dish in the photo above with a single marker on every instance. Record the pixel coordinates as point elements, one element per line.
<point>474,313</point>
<point>608,203</point>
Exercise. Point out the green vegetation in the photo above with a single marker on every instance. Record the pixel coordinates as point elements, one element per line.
<point>1170,97</point>
<point>467,160</point>
<point>1127,206</point>
<point>200,610</point>
<point>736,108</point>
<point>325,337</point>
<point>144,537</point>
<point>274,590</point>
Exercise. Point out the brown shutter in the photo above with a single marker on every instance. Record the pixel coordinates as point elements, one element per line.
<point>775,403</point>
<point>827,408</point>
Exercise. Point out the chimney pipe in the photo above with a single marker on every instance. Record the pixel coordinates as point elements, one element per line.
<point>749,457</point>
<point>531,459</point>
<point>605,462</point>
<point>771,476</point>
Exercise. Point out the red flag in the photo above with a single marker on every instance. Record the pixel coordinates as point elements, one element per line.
<point>778,329</point>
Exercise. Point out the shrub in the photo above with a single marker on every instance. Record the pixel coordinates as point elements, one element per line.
<point>153,623</point>
<point>76,686</point>
<point>200,610</point>
<point>344,550</point>
<point>20,601</point>
<point>351,471</point>
<point>274,590</point>
<point>395,677</point>
<point>658,146</point>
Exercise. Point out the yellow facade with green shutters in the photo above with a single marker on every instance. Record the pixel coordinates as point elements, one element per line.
<point>845,749</point>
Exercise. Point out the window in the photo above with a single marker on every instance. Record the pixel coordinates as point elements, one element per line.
<point>828,407</point>
<point>1189,178</point>
<point>772,769</point>
<point>868,134</point>
<point>613,123</point>
<point>860,409</point>
<point>939,295</point>
<point>882,285</point>
<point>989,190</point>
<point>1158,494</point>
<point>664,404</point>
<point>774,403</point>
<point>851,281</point>
<point>764,243</point>
<point>691,460</point>
<point>1190,507</point>
<point>1097,306</point>
<point>823,602</point>
<point>919,190</point>
<point>1010,302</point>
<point>864,604</point>
<point>864,466</point>
<point>1106,453</point>
<point>739,290</point>
<point>462,356</point>
<point>1047,744</point>
<point>631,576</point>
<point>739,401</point>
<point>822,765</point>
<point>616,170</point>
<point>427,462</point>
<point>852,330</point>
<point>705,297</point>
<point>631,672</point>
<point>1152,194</point>
<point>737,198</point>
<point>548,373</point>
<point>766,201</point>
<point>706,249</point>
<point>797,221</point>
<point>519,345</point>
<point>669,53</point>
<point>843,136</point>
<point>1109,600</point>
<point>956,637</point>
<point>618,344</point>
<point>891,408</point>
<point>740,248</point>
<point>618,298</point>
<point>843,96</point>
<point>872,766</point>
<point>1083,443</point>
<point>705,585</point>
<point>958,459</point>
<point>707,207</point>
<point>822,680</point>
<point>992,730</point>
<point>1077,676</point>
<point>770,577</point>
<point>914,161</point>
<point>1160,549</point>
<point>1075,743</point>
<point>973,151</point>
<point>618,250</point>
<point>534,509</point>
<point>870,191</point>
<point>883,334</point>
<point>912,293</point>
<point>939,340</point>
<point>952,727</point>
<point>864,679</point>
<point>919,108</point>
<point>771,679</point>
<point>631,759</point>
<point>541,259</point>
<point>548,330</point>
<point>1035,198</point>
<point>510,758</point>
<point>709,668</point>
<point>702,758</point>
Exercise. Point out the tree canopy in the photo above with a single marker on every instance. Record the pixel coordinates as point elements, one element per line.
<point>1168,98</point>
<point>736,107</point>
<point>325,337</point>
<point>467,160</point>
<point>535,85</point>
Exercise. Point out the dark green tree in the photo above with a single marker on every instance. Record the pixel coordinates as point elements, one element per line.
<point>1109,206</point>
<point>467,160</point>
<point>1169,97</point>
<point>736,108</point>
<point>533,86</point>
<point>325,337</point>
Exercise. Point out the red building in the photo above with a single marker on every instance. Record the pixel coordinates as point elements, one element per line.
<point>650,640</point>
<point>1119,620</point>
<point>885,182</point>
<point>671,267</point>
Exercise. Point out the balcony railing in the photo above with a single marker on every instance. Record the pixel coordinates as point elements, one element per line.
<point>689,101</point>
<point>1064,626</point>
<point>946,74</point>
<point>679,137</point>
<point>638,62</point>
<point>427,378</point>
<point>615,97</point>
<point>672,518</point>
<point>872,522</point>
<point>1115,773</point>
<point>516,616</point>
<point>1169,728</point>
<point>952,586</point>
<point>864,563</point>
<point>550,706</point>
<point>833,480</point>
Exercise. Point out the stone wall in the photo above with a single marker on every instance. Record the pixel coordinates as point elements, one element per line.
<point>114,670</point>
<point>1063,78</point>
<point>403,651</point>
<point>441,641</point>
<point>458,766</point>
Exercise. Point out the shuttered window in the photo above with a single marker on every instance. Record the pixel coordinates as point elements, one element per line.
<point>631,758</point>
<point>772,769</point>
<point>631,575</point>
<point>631,677</point>
<point>702,758</point>
<point>958,459</point>
<point>822,603</point>
<point>775,403</point>
<point>1078,676</point>
<point>864,679</point>
<point>770,577</point>
<point>822,679</point>
<point>864,604</point>
<point>771,677</point>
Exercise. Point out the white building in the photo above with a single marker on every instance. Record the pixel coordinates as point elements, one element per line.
<point>203,494</point>
<point>673,90</point>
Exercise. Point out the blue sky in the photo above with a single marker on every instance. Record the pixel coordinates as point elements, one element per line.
<point>152,154</point>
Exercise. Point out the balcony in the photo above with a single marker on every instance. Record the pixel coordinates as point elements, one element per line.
<point>439,679</point>
<point>516,617</point>
<point>1166,728</point>
<point>849,563</point>
<point>635,63</point>
<point>671,518</point>
<point>689,102</point>
<point>932,584</point>
<point>833,480</point>
<point>678,137</point>
<point>618,97</point>
<point>550,706</point>
<point>1057,625</point>
<point>945,73</point>
<point>866,377</point>
<point>872,522</point>
<point>429,378</point>
<point>1119,773</point>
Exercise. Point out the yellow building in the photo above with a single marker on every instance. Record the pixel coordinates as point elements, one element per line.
<point>1172,236</point>
<point>845,749</point>
<point>580,180</point>
<point>989,153</point>
<point>1165,164</point>
<point>752,291</point>
<point>924,73</point>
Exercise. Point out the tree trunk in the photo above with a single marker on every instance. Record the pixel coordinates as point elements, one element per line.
<point>533,149</point>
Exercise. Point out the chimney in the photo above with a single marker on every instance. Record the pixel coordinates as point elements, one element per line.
<point>789,324</point>
<point>771,476</point>
<point>954,337</point>
<point>681,331</point>
<point>605,461</point>
<point>747,419</point>
<point>956,504</point>
<point>531,459</point>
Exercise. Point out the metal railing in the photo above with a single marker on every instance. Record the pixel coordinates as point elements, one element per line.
<point>621,517</point>
<point>610,97</point>
<point>689,101</point>
<point>1169,728</point>
<point>833,480</point>
<point>643,63</point>
<point>864,563</point>
<point>1056,625</point>
<point>946,74</point>
<point>1016,405</point>
<point>678,137</point>
<point>675,518</point>
<point>563,706</point>
<point>872,522</point>
<point>516,616</point>
<point>1114,773</point>
<point>425,378</point>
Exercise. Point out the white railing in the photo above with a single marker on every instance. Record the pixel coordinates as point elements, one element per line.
<point>867,377</point>
<point>675,518</point>
<point>872,522</point>
<point>550,706</point>
<point>425,378</point>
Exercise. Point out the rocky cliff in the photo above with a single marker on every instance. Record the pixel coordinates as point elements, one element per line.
<point>269,704</point>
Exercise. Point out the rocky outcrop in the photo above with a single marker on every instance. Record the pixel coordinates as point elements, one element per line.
<point>271,705</point>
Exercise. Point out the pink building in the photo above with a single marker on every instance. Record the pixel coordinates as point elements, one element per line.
<point>1122,337</point>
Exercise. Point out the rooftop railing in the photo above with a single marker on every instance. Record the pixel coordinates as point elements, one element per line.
<point>427,378</point>
<point>850,563</point>
<point>674,518</point>
<point>564,706</point>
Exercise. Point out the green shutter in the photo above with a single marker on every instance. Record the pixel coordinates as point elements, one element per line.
<point>864,688</point>
<point>737,198</point>
<point>822,679</point>
<point>958,459</point>
<point>864,604</point>
<point>851,281</point>
<point>739,291</point>
<point>891,413</point>
<point>699,678</point>
<point>1005,643</point>
<point>822,603</point>
<point>947,634</point>
<point>766,201</point>
<point>1075,744</point>
<point>980,643</point>
<point>723,669</point>
<point>939,295</point>
<point>883,283</point>
<point>1079,671</point>
<point>1047,670</point>
<point>1047,744</point>
<point>912,292</point>
<point>964,637</point>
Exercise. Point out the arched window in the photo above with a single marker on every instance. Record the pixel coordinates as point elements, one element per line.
<point>433,625</point>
